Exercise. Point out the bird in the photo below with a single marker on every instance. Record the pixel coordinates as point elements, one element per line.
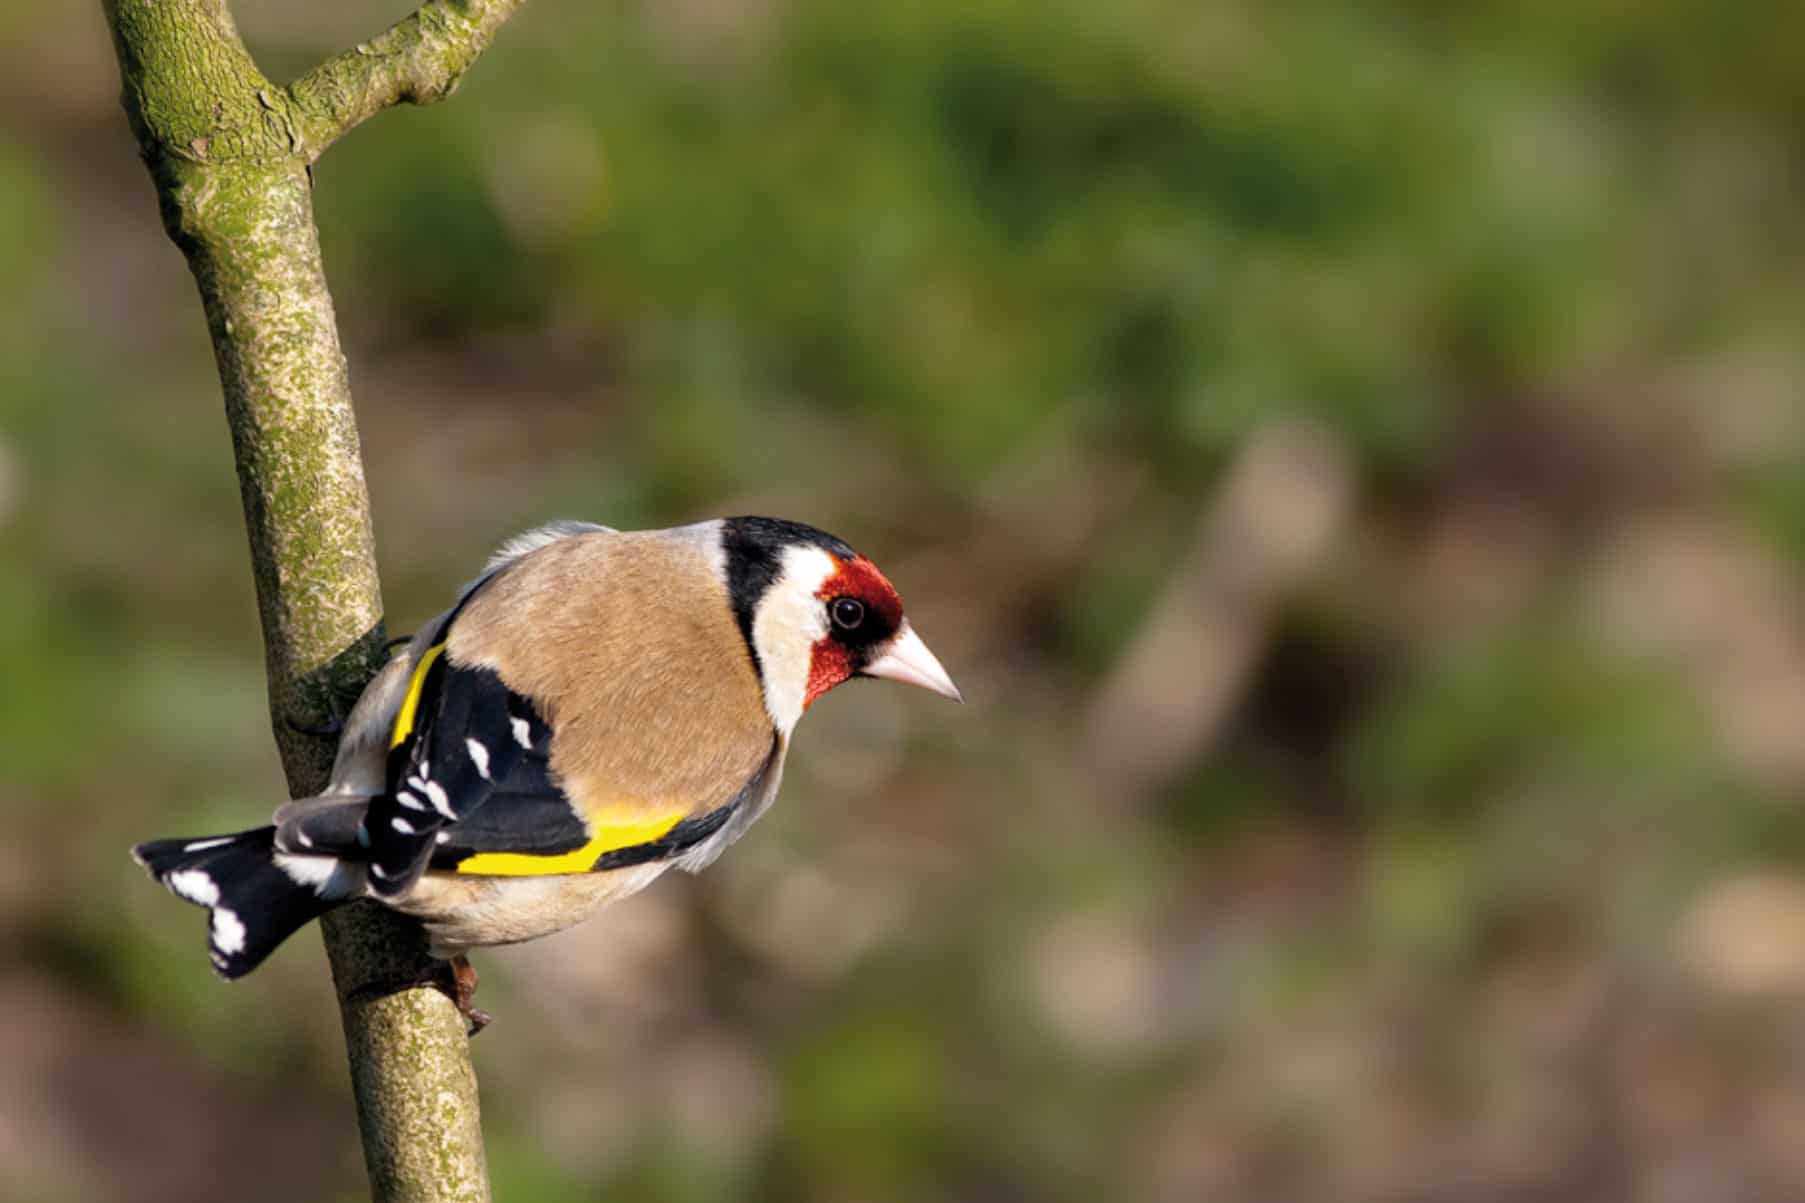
<point>595,708</point>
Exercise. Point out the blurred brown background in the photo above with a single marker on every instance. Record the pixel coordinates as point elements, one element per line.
<point>1351,458</point>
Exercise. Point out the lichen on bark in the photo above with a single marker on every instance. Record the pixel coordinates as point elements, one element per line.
<point>229,153</point>
<point>418,60</point>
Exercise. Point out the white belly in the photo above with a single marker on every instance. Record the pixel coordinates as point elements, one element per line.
<point>463,911</point>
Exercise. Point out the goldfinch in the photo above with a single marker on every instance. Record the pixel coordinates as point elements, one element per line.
<point>597,707</point>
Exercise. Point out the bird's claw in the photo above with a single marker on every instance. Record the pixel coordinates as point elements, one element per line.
<point>455,979</point>
<point>462,990</point>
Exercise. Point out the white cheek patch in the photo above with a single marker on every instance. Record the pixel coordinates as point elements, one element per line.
<point>789,622</point>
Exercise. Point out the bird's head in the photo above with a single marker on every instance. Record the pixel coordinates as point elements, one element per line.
<point>816,613</point>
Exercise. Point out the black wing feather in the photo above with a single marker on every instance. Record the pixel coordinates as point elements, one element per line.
<point>471,736</point>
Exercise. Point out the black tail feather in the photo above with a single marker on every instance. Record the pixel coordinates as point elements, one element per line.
<point>252,904</point>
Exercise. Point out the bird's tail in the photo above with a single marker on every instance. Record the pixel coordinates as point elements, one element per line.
<point>253,904</point>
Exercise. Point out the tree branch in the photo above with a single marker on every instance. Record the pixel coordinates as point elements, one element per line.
<point>418,60</point>
<point>229,154</point>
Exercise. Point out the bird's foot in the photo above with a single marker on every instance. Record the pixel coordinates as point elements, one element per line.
<point>463,993</point>
<point>455,979</point>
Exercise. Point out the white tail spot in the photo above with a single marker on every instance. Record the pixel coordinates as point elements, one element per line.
<point>194,885</point>
<point>228,931</point>
<point>315,871</point>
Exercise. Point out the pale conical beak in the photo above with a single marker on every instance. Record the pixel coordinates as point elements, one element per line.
<point>908,660</point>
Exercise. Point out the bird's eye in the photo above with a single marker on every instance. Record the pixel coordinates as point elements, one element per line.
<point>846,612</point>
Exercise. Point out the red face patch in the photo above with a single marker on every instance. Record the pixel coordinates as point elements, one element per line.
<point>832,659</point>
<point>829,664</point>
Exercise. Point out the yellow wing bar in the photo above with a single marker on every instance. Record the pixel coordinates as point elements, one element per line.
<point>625,834</point>
<point>404,721</point>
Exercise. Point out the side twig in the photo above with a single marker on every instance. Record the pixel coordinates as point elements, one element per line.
<point>418,60</point>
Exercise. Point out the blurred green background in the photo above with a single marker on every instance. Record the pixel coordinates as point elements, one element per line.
<point>1353,458</point>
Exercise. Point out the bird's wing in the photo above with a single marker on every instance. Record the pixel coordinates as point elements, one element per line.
<point>510,815</point>
<point>648,750</point>
<point>462,740</point>
<point>474,793</point>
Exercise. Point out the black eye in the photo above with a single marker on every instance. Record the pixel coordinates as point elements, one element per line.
<point>847,612</point>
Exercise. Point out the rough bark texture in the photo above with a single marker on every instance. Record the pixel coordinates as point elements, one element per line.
<point>229,153</point>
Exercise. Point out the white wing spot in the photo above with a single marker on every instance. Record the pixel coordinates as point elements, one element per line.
<point>479,756</point>
<point>378,871</point>
<point>523,732</point>
<point>228,931</point>
<point>444,837</point>
<point>435,793</point>
<point>403,826</point>
<point>408,800</point>
<point>194,885</point>
<point>203,845</point>
<point>301,837</point>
